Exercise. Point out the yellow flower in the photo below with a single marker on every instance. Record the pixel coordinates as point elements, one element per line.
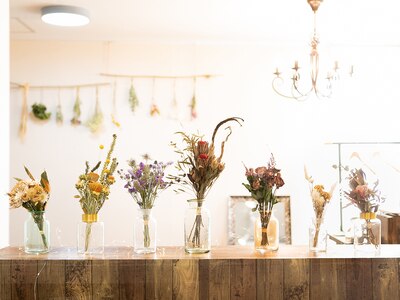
<point>111,179</point>
<point>101,147</point>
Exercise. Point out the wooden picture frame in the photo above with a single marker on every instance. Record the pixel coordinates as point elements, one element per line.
<point>241,220</point>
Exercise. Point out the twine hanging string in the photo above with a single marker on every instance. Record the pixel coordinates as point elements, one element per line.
<point>24,112</point>
<point>175,112</point>
<point>114,106</point>
<point>193,103</point>
<point>154,110</point>
<point>59,114</point>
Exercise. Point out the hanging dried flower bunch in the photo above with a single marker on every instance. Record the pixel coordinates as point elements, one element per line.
<point>76,110</point>
<point>95,122</point>
<point>133,99</point>
<point>39,111</point>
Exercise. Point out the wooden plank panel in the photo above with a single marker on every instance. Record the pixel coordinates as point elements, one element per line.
<point>328,279</point>
<point>204,279</point>
<point>243,278</point>
<point>5,279</point>
<point>385,278</point>
<point>105,279</point>
<point>185,276</point>
<point>159,279</point>
<point>51,281</point>
<point>219,279</point>
<point>296,278</point>
<point>78,279</point>
<point>132,279</point>
<point>270,279</point>
<point>358,278</point>
<point>23,276</point>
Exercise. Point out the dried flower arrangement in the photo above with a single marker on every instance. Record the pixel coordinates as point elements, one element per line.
<point>262,184</point>
<point>320,198</point>
<point>366,199</point>
<point>144,181</point>
<point>94,188</point>
<point>199,168</point>
<point>33,196</point>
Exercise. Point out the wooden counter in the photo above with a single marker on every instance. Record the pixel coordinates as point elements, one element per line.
<point>232,272</point>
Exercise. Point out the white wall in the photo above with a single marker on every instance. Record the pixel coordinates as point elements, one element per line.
<point>295,132</point>
<point>4,119</point>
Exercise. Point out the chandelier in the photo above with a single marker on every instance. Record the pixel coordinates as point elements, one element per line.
<point>320,90</point>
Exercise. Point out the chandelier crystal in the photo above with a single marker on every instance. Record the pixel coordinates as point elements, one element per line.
<point>321,90</point>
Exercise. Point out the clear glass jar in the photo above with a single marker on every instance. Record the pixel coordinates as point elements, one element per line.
<point>90,235</point>
<point>367,233</point>
<point>317,234</point>
<point>197,228</point>
<point>145,232</point>
<point>266,232</point>
<point>36,233</point>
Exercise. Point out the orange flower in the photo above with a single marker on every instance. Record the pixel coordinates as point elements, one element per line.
<point>95,187</point>
<point>93,176</point>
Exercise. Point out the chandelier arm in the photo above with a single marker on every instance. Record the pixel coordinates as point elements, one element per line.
<point>303,96</point>
<point>278,92</point>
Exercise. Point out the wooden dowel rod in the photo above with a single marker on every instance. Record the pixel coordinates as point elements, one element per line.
<point>63,86</point>
<point>159,76</point>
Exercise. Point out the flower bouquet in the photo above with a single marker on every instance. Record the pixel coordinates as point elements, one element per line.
<point>144,181</point>
<point>320,198</point>
<point>33,196</point>
<point>262,184</point>
<point>94,190</point>
<point>367,199</point>
<point>199,168</point>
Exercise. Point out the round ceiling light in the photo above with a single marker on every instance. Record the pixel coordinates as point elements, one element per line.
<point>62,15</point>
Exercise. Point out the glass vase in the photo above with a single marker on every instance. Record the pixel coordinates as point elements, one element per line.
<point>197,228</point>
<point>266,232</point>
<point>90,235</point>
<point>317,236</point>
<point>145,232</point>
<point>367,233</point>
<point>36,233</point>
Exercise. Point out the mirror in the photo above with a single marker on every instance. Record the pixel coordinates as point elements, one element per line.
<point>241,220</point>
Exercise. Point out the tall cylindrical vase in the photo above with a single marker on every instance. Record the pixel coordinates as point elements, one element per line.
<point>145,232</point>
<point>367,233</point>
<point>266,232</point>
<point>318,235</point>
<point>197,228</point>
<point>36,233</point>
<point>90,235</point>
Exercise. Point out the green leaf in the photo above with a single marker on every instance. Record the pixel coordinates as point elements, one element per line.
<point>29,173</point>
<point>44,181</point>
<point>96,167</point>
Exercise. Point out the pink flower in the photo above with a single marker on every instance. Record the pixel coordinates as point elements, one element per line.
<point>362,191</point>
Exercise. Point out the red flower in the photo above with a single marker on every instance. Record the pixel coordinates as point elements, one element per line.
<point>203,156</point>
<point>202,147</point>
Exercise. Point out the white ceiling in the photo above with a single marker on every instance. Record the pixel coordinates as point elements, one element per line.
<point>343,22</point>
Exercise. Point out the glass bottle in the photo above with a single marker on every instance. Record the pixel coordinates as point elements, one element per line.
<point>36,233</point>
<point>90,235</point>
<point>318,235</point>
<point>266,232</point>
<point>145,232</point>
<point>367,233</point>
<point>197,228</point>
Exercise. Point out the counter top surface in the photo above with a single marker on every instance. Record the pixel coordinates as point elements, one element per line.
<point>218,252</point>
